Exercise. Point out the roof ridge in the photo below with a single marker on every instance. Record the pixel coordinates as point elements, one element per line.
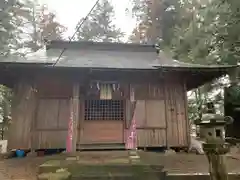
<point>114,46</point>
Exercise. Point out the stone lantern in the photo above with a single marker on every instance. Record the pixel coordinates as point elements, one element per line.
<point>212,129</point>
<point>212,125</point>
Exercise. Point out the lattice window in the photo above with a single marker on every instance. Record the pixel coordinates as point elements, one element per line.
<point>104,110</point>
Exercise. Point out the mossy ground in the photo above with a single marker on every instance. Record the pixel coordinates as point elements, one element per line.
<point>101,166</point>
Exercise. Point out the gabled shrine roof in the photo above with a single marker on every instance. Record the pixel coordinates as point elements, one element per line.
<point>107,56</point>
<point>103,55</point>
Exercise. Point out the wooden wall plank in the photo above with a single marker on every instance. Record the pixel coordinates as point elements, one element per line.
<point>181,115</point>
<point>51,123</point>
<point>149,91</point>
<point>50,139</point>
<point>165,107</point>
<point>102,132</point>
<point>176,115</point>
<point>47,114</point>
<point>54,87</point>
<point>155,113</point>
<point>63,113</point>
<point>140,111</point>
<point>151,137</point>
<point>23,109</point>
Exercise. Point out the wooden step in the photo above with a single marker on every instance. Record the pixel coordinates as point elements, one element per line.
<point>120,177</point>
<point>101,146</point>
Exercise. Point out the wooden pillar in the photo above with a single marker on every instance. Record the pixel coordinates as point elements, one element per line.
<point>75,110</point>
<point>34,106</point>
<point>166,111</point>
<point>188,125</point>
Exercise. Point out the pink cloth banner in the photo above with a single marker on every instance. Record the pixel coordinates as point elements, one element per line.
<point>131,142</point>
<point>131,135</point>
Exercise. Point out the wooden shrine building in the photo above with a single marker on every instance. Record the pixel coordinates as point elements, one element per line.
<point>104,85</point>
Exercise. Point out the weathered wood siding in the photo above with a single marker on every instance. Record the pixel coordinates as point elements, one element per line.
<point>52,112</point>
<point>43,116</point>
<point>40,114</point>
<point>54,87</point>
<point>149,91</point>
<point>177,121</point>
<point>150,114</point>
<point>23,109</point>
<point>152,137</point>
<point>160,114</point>
<point>51,124</point>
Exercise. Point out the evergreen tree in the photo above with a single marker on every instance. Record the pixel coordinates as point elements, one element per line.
<point>23,25</point>
<point>158,17</point>
<point>5,109</point>
<point>44,27</point>
<point>99,25</point>
<point>10,15</point>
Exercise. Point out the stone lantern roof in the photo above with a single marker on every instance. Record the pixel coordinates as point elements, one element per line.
<point>210,119</point>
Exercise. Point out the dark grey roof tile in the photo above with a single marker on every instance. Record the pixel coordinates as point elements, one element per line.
<point>102,55</point>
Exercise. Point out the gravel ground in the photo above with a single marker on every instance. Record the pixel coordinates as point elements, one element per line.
<point>26,169</point>
<point>188,163</point>
<point>20,169</point>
